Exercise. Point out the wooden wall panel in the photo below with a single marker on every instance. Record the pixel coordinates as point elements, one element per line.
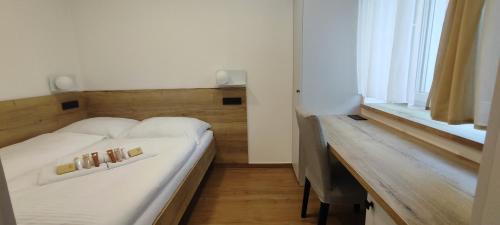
<point>26,118</point>
<point>229,121</point>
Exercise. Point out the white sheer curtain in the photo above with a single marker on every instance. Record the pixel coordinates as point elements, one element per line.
<point>385,30</point>
<point>397,48</point>
<point>389,44</point>
<point>487,64</point>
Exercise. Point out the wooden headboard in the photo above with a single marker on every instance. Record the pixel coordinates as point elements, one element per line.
<point>25,118</point>
<point>229,122</point>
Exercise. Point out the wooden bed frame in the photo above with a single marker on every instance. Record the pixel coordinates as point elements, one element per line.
<point>26,118</point>
<point>175,208</point>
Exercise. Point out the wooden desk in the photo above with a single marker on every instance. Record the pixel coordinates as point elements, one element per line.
<point>414,184</point>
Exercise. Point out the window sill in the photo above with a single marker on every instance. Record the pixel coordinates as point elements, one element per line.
<point>420,118</point>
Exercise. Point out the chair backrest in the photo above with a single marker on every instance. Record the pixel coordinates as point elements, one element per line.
<point>313,146</point>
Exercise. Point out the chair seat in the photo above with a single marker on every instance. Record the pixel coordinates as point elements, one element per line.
<point>344,187</point>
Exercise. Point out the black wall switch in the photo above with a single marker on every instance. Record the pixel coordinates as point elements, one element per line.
<point>232,101</point>
<point>70,105</point>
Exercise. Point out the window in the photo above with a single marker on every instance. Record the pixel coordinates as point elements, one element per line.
<point>428,24</point>
<point>398,45</point>
<point>398,42</point>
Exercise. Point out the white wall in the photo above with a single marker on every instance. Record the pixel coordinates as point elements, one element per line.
<point>136,44</point>
<point>36,40</point>
<point>329,57</point>
<point>324,60</point>
<point>487,201</point>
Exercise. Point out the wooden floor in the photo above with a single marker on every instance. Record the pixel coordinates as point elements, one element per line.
<point>258,196</point>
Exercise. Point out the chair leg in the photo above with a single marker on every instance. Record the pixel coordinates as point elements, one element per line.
<point>323,213</point>
<point>357,208</point>
<point>305,198</point>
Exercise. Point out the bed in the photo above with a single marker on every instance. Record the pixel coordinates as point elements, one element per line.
<point>158,188</point>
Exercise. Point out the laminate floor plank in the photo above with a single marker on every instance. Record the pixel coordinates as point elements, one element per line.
<point>251,196</point>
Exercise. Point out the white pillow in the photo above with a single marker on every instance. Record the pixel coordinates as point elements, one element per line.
<point>103,126</point>
<point>169,127</point>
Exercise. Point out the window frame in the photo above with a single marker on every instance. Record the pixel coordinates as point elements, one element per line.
<point>424,22</point>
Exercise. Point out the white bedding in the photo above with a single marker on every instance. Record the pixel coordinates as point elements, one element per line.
<point>117,196</point>
<point>155,206</point>
<point>23,158</point>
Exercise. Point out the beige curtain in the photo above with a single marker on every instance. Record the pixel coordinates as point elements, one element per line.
<point>451,98</point>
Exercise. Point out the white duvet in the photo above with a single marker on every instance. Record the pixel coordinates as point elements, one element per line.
<point>116,196</point>
<point>24,158</point>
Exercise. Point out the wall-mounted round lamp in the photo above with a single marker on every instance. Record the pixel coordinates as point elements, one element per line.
<point>231,78</point>
<point>222,77</point>
<point>63,83</point>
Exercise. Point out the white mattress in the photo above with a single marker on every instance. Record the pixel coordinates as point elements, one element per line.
<point>101,198</point>
<point>155,207</point>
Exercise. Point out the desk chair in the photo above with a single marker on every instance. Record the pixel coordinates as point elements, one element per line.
<point>326,175</point>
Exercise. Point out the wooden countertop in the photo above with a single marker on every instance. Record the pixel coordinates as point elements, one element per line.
<point>412,182</point>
